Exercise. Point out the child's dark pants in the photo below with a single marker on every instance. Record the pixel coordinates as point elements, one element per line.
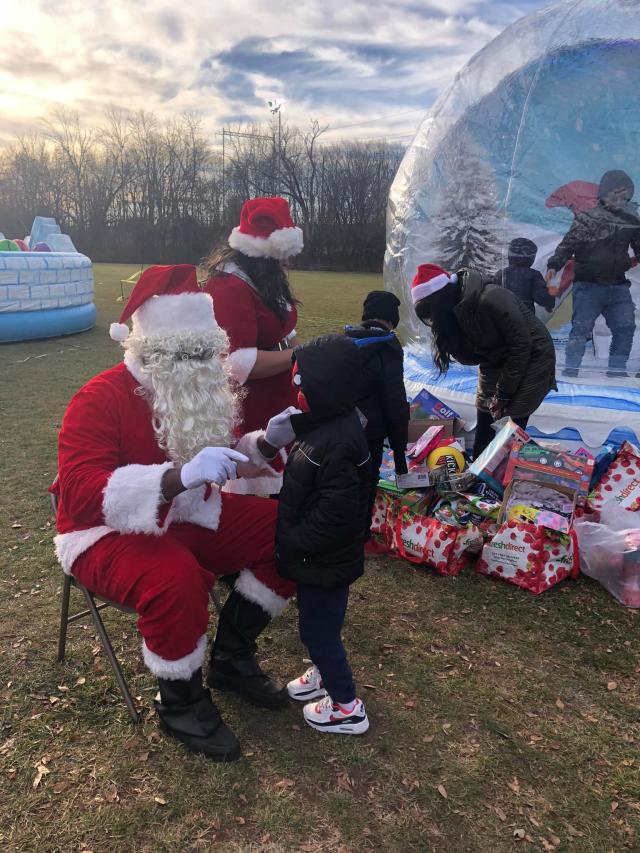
<point>321,617</point>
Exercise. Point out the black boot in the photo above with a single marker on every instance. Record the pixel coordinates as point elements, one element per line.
<point>187,713</point>
<point>233,664</point>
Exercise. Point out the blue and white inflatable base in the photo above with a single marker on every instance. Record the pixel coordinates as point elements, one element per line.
<point>590,414</point>
<point>46,323</point>
<point>45,294</point>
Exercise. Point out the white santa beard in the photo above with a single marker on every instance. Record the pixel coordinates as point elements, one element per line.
<point>191,399</point>
<point>193,407</point>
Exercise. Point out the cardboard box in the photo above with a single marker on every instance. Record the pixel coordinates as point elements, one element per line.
<point>570,493</point>
<point>418,427</point>
<point>529,461</point>
<point>434,408</point>
<point>417,478</point>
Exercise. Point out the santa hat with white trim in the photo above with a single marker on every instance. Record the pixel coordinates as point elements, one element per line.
<point>165,301</point>
<point>428,280</point>
<point>267,230</point>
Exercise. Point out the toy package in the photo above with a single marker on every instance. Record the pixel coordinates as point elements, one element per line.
<point>470,511</point>
<point>540,504</point>
<point>529,461</point>
<point>420,449</point>
<point>605,457</point>
<point>431,407</point>
<point>621,484</point>
<point>417,476</point>
<point>491,465</point>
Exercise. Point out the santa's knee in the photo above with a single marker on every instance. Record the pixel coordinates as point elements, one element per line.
<point>174,618</point>
<point>265,588</point>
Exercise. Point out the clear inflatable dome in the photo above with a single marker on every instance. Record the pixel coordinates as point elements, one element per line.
<point>517,148</point>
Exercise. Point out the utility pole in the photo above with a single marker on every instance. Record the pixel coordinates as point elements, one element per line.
<point>275,108</point>
<point>233,134</point>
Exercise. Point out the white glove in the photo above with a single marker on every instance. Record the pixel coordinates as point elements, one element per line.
<point>211,465</point>
<point>279,431</point>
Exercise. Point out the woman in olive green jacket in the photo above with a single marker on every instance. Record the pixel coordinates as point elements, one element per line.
<point>474,321</point>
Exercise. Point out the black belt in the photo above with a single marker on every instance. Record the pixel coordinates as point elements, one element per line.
<point>285,343</point>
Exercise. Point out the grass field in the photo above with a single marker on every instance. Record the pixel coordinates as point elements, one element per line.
<point>500,721</point>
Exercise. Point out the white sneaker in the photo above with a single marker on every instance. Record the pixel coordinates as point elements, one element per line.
<point>328,716</point>
<point>308,686</point>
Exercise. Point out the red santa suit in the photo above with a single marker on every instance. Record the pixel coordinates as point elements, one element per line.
<point>266,230</point>
<point>252,326</point>
<point>119,537</point>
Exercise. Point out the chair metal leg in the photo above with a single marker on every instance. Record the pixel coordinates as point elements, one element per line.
<point>108,648</point>
<point>64,618</point>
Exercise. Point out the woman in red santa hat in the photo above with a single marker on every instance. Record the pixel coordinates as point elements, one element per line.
<point>474,321</point>
<point>255,306</point>
<point>144,449</point>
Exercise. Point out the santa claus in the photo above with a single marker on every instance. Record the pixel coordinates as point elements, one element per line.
<point>143,452</point>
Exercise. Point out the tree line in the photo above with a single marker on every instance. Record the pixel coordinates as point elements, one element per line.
<point>138,190</point>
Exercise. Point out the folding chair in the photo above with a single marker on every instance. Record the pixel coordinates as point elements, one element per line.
<point>95,604</point>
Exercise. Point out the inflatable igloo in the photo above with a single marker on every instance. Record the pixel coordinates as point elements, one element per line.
<point>46,285</point>
<point>516,148</point>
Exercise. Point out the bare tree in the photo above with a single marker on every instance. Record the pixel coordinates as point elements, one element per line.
<point>140,190</point>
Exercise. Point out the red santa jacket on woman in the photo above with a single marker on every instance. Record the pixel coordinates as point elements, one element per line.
<point>252,326</point>
<point>110,468</point>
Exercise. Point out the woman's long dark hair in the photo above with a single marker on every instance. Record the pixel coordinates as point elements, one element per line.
<point>447,338</point>
<point>267,275</point>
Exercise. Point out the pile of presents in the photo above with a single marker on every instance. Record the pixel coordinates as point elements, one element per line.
<point>527,514</point>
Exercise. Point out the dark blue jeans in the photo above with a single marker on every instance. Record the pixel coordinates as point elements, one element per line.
<point>321,615</point>
<point>614,302</point>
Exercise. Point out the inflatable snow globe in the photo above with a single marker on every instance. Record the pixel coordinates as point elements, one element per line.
<point>46,285</point>
<point>526,147</point>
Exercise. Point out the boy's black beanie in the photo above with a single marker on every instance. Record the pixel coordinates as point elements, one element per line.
<point>615,179</point>
<point>522,252</point>
<point>381,305</point>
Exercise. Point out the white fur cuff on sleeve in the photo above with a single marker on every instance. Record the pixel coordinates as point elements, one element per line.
<point>257,466</point>
<point>242,362</point>
<point>132,497</point>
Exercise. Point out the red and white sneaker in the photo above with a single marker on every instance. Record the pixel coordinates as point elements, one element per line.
<point>308,686</point>
<point>328,716</point>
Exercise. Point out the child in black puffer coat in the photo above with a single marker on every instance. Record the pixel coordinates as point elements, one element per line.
<point>321,523</point>
<point>520,278</point>
<point>382,397</point>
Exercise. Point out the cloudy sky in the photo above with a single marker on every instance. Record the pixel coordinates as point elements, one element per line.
<point>364,67</point>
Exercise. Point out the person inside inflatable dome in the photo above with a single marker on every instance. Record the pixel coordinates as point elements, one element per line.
<point>520,278</point>
<point>599,241</point>
<point>475,321</point>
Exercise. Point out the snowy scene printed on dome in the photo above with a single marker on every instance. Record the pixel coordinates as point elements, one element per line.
<point>526,171</point>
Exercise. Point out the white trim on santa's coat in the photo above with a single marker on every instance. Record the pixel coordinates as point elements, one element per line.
<point>257,466</point>
<point>242,362</point>
<point>175,670</point>
<point>132,498</point>
<point>69,546</point>
<point>249,587</point>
